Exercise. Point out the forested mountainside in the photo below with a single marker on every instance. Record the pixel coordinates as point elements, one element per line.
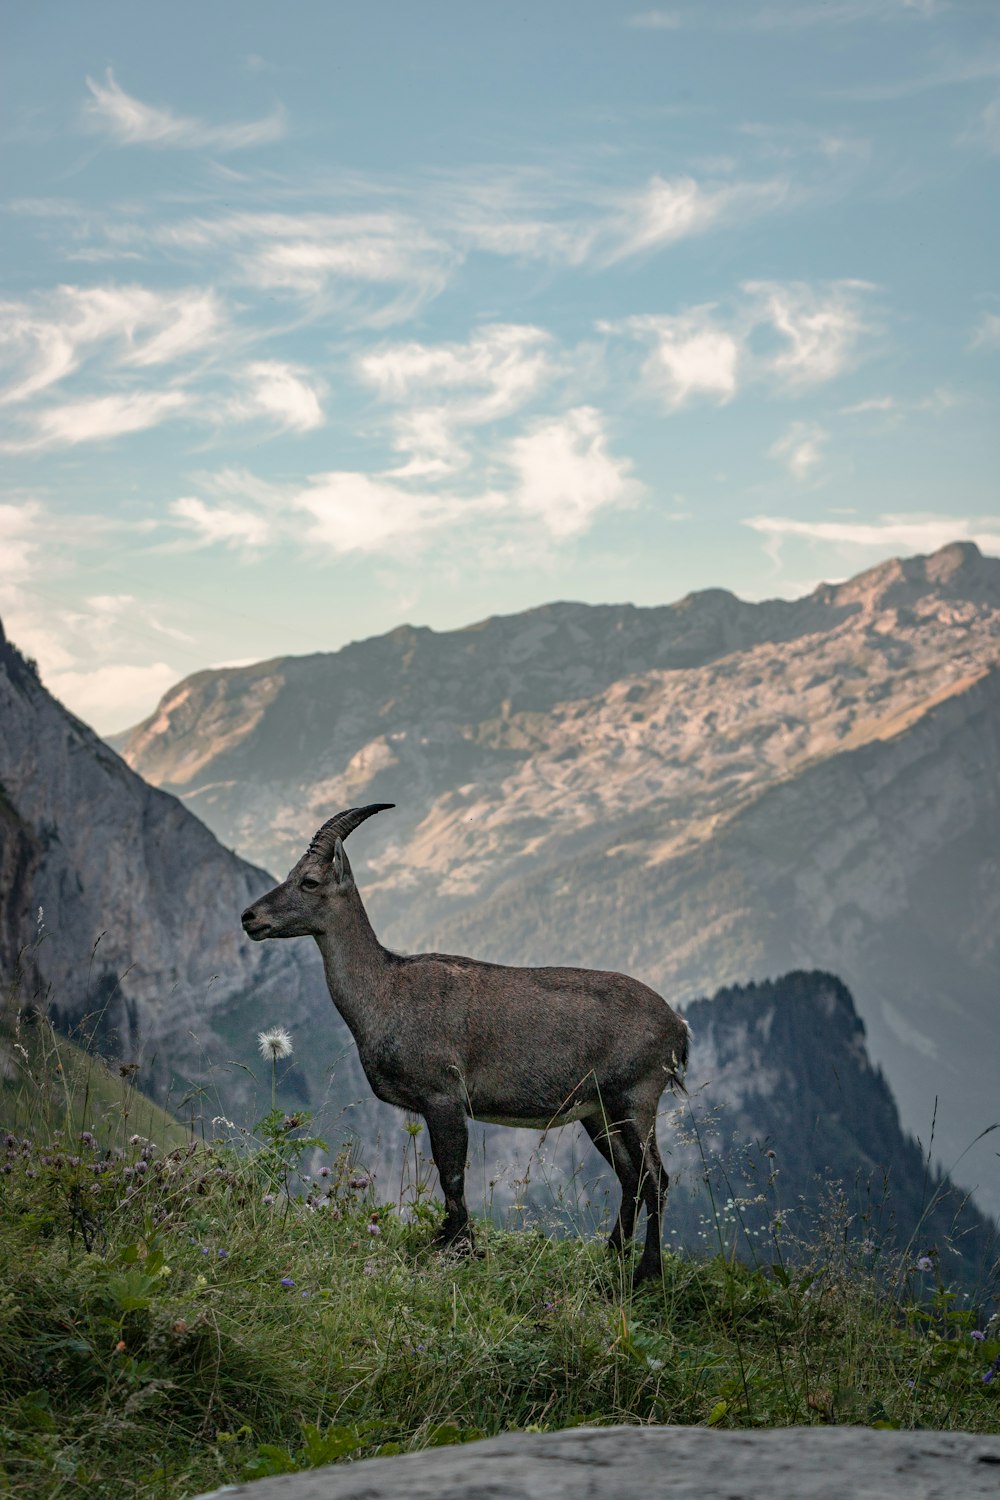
<point>699,793</point>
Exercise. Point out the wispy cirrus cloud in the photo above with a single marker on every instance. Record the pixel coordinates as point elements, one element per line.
<point>97,419</point>
<point>447,388</point>
<point>654,20</point>
<point>811,334</point>
<point>692,355</point>
<point>281,393</point>
<point>800,449</point>
<point>987,335</point>
<point>560,474</point>
<point>47,339</point>
<point>131,122</point>
<point>912,533</point>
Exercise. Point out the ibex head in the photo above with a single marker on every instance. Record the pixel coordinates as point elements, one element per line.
<point>305,904</point>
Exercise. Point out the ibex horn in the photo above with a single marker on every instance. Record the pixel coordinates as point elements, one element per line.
<point>341,825</point>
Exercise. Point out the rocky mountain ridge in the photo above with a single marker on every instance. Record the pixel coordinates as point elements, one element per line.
<point>137,905</point>
<point>630,772</point>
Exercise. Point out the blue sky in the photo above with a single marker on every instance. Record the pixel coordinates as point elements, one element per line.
<point>319,318</point>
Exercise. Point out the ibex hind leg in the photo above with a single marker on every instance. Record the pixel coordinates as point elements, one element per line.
<point>449,1133</point>
<point>639,1135</point>
<point>606,1137</point>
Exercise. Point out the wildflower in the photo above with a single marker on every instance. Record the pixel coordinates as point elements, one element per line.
<point>978,1335</point>
<point>374,1228</point>
<point>287,1283</point>
<point>141,1166</point>
<point>370,1268</point>
<point>223,1254</point>
<point>205,1250</point>
<point>134,1140</point>
<point>324,1171</point>
<point>925,1263</point>
<point>179,1327</point>
<point>274,1044</point>
<point>868,1247</point>
<point>268,1199</point>
<point>361,1181</point>
<point>305,1294</point>
<point>120,1347</point>
<point>86,1138</point>
<point>988,1375</point>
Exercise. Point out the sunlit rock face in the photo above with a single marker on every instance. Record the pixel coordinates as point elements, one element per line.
<point>697,794</point>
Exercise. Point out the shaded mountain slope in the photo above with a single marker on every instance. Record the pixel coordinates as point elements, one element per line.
<point>120,911</point>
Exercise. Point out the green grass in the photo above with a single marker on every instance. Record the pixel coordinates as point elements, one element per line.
<point>48,1082</point>
<point>171,1320</point>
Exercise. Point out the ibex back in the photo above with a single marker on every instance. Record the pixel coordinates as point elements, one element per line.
<point>453,1038</point>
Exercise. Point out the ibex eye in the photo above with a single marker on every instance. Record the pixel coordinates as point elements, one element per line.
<point>309,885</point>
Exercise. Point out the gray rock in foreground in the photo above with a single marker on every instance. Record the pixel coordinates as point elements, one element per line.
<point>639,1463</point>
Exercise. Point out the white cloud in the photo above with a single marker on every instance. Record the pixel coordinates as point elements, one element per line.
<point>654,20</point>
<point>820,326</point>
<point>691,356</point>
<point>487,378</point>
<point>840,12</point>
<point>985,129</point>
<point>113,696</point>
<point>131,122</point>
<point>238,526</point>
<point>987,335</point>
<point>665,211</point>
<point>357,513</point>
<point>97,419</point>
<point>20,540</point>
<point>801,448</point>
<point>566,475</point>
<point>873,403</point>
<point>915,533</point>
<point>279,391</point>
<point>793,335</point>
<point>45,341</point>
<point>561,476</point>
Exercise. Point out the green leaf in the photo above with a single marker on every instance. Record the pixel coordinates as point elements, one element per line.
<point>717,1413</point>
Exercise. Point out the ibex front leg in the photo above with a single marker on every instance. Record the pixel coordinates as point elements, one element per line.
<point>449,1133</point>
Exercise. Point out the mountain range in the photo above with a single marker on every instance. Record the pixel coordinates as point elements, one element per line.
<point>700,794</point>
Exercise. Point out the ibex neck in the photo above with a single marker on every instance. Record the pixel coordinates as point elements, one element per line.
<point>354,960</point>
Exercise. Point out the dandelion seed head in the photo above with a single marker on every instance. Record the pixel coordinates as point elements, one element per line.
<point>274,1043</point>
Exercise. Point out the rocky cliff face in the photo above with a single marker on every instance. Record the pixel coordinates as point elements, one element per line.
<point>694,794</point>
<point>121,911</point>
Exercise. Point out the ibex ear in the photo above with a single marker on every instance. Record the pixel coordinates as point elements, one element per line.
<point>341,865</point>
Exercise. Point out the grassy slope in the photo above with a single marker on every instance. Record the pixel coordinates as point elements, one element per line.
<point>171,1321</point>
<point>47,1083</point>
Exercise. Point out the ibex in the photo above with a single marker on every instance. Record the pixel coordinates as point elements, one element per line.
<point>453,1038</point>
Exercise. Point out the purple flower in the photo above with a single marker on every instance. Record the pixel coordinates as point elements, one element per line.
<point>360,1182</point>
<point>287,1282</point>
<point>925,1263</point>
<point>978,1335</point>
<point>268,1199</point>
<point>305,1294</point>
<point>223,1254</point>
<point>988,1375</point>
<point>324,1171</point>
<point>87,1138</point>
<point>205,1250</point>
<point>374,1228</point>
